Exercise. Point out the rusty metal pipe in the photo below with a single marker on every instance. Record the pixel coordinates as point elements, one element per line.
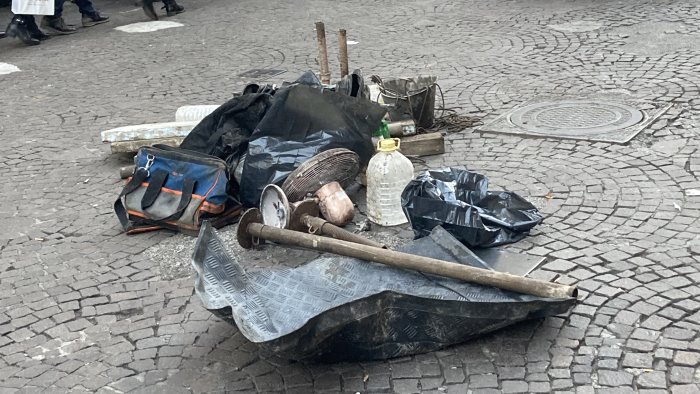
<point>343,52</point>
<point>392,258</point>
<point>323,53</point>
<point>320,226</point>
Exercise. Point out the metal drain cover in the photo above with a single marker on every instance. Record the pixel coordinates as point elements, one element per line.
<point>583,119</point>
<point>575,117</point>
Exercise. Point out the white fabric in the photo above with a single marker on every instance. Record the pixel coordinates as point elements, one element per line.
<point>33,7</point>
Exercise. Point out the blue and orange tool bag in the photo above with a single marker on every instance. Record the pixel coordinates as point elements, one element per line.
<point>177,189</point>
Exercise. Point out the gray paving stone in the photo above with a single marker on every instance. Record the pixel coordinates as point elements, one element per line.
<point>608,364</point>
<point>652,380</point>
<point>638,360</point>
<point>640,346</point>
<point>456,388</point>
<point>63,317</point>
<point>681,375</point>
<point>511,372</point>
<point>378,382</point>
<point>514,386</point>
<point>482,381</point>
<point>686,358</point>
<point>406,386</point>
<point>562,384</point>
<point>685,389</point>
<point>405,370</point>
<point>614,378</point>
<point>610,352</point>
<point>432,383</point>
<point>455,375</point>
<point>539,387</point>
<point>616,390</point>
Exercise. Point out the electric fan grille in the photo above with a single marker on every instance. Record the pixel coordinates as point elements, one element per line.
<point>340,164</point>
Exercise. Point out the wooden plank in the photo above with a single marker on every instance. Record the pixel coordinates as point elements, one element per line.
<point>133,146</point>
<point>423,144</point>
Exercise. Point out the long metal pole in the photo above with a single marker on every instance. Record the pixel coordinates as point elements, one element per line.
<point>322,227</point>
<point>323,53</point>
<point>409,261</point>
<point>343,52</point>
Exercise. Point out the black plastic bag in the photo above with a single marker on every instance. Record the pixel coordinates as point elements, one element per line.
<point>302,122</point>
<point>280,128</point>
<point>459,201</point>
<point>225,132</point>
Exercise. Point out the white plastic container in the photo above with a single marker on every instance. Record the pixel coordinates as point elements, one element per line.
<point>388,173</point>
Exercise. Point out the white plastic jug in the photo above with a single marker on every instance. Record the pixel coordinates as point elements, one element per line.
<point>388,173</point>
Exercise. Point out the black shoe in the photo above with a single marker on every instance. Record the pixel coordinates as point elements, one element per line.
<point>57,25</point>
<point>18,28</point>
<point>34,30</point>
<point>172,8</point>
<point>149,10</point>
<point>94,19</point>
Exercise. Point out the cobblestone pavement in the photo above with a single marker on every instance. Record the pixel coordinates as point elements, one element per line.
<point>85,308</point>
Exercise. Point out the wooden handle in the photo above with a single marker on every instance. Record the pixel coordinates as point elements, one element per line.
<point>427,265</point>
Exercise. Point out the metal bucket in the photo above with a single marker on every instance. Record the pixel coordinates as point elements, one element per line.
<point>415,96</point>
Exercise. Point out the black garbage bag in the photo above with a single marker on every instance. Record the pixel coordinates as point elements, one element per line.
<point>353,85</point>
<point>302,122</point>
<point>308,78</point>
<point>459,201</point>
<point>225,132</point>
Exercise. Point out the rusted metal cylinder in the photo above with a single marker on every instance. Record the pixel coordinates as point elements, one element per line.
<point>427,265</point>
<point>323,53</point>
<point>322,227</point>
<point>334,203</point>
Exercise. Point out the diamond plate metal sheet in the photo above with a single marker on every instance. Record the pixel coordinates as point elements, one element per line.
<point>337,308</point>
<point>593,119</point>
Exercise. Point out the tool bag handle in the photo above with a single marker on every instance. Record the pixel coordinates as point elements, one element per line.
<point>152,191</point>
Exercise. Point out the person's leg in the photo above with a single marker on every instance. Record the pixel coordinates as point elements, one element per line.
<point>91,16</point>
<point>55,22</point>
<point>34,30</point>
<point>85,7</point>
<point>172,7</point>
<point>149,10</point>
<point>18,28</point>
<point>57,9</point>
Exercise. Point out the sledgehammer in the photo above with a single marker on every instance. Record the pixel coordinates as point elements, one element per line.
<point>251,230</point>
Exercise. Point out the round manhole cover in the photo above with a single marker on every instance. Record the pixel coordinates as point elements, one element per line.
<point>575,118</point>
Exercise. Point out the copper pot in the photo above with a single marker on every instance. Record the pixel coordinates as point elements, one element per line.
<point>334,204</point>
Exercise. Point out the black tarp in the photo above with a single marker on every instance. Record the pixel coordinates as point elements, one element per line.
<point>339,308</point>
